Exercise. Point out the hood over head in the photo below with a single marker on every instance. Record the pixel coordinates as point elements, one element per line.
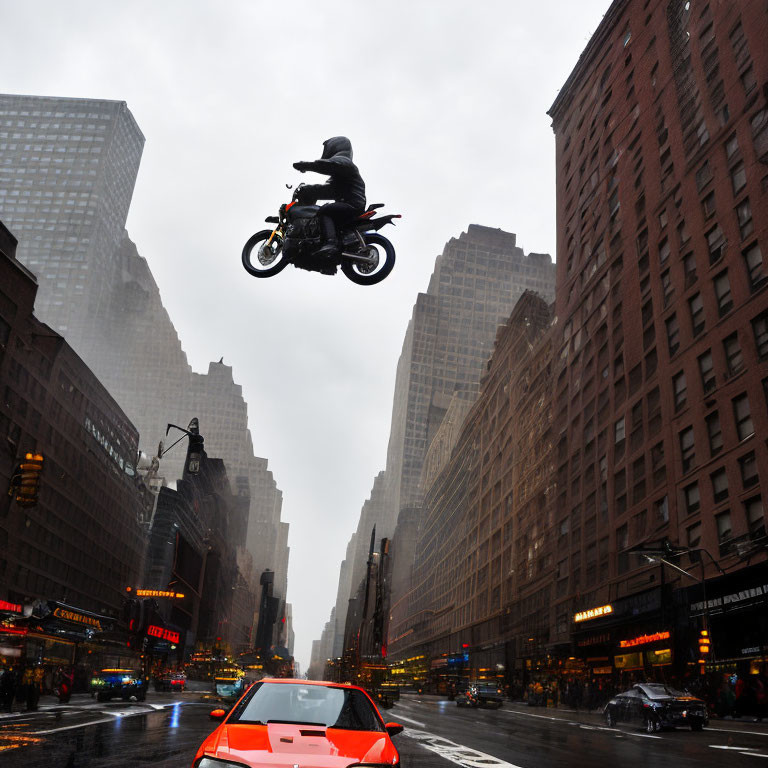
<point>337,145</point>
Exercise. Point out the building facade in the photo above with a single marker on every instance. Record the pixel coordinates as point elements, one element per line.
<point>82,543</point>
<point>481,582</point>
<point>662,139</point>
<point>67,173</point>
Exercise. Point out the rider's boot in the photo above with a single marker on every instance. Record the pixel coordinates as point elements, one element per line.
<point>330,248</point>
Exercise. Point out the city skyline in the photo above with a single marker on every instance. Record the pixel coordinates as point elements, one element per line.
<point>211,171</point>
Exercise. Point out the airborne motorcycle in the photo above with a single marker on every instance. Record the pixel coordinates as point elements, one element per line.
<point>365,256</point>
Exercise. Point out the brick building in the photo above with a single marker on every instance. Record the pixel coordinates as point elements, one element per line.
<point>480,593</point>
<point>662,300</point>
<point>82,543</point>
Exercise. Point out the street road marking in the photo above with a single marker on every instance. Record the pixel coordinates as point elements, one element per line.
<point>753,754</point>
<point>615,731</point>
<point>737,749</point>
<point>70,727</point>
<point>413,722</point>
<point>456,753</point>
<point>733,730</point>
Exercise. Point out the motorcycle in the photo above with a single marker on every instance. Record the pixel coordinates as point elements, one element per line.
<point>365,256</point>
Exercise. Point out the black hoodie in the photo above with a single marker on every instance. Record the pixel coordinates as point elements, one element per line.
<point>345,183</point>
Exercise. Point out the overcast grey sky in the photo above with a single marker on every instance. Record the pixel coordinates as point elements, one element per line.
<point>445,103</point>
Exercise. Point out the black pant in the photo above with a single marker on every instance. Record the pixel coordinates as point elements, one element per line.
<point>339,212</point>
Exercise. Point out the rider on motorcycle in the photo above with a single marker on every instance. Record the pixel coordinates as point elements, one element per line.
<point>345,187</point>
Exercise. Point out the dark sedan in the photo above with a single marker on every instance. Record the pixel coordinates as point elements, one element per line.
<point>656,706</point>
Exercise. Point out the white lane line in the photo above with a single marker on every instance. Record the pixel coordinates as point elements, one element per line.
<point>581,725</point>
<point>409,720</point>
<point>457,753</point>
<point>753,754</point>
<point>70,727</point>
<point>734,730</point>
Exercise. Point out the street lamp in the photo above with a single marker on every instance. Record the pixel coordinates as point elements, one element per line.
<point>195,449</point>
<point>658,553</point>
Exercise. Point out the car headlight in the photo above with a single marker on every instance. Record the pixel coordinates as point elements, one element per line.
<point>215,762</point>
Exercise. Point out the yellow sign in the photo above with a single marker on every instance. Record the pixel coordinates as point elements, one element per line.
<point>62,613</point>
<point>593,613</point>
<point>158,593</point>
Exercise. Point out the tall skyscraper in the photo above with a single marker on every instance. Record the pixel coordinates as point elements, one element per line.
<point>66,179</point>
<point>661,375</point>
<point>476,282</point>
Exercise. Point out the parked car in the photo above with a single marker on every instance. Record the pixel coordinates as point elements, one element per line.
<point>113,683</point>
<point>283,722</point>
<point>171,681</point>
<point>480,694</point>
<point>656,706</point>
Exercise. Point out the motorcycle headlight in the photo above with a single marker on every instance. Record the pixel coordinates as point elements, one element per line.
<point>216,762</point>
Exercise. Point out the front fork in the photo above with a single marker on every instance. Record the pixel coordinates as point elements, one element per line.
<point>357,256</point>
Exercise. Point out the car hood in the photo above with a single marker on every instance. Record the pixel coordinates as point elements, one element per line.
<point>283,744</point>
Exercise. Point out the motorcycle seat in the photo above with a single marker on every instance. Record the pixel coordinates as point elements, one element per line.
<point>303,211</point>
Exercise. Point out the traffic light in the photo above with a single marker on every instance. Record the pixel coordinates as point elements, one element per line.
<point>25,483</point>
<point>704,645</point>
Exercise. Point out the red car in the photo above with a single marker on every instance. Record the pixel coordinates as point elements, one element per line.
<point>300,722</point>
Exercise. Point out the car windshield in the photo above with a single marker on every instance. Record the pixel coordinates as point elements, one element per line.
<point>659,691</point>
<point>321,705</point>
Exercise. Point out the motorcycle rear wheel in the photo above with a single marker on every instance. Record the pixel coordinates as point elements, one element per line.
<point>269,260</point>
<point>363,274</point>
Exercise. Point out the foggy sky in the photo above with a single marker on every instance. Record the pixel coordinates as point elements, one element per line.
<point>445,104</point>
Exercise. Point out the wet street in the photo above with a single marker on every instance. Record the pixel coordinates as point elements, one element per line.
<point>166,731</point>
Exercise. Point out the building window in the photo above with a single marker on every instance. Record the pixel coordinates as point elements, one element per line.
<point>753,258</point>
<point>731,146</point>
<point>715,244</point>
<point>738,178</point>
<point>622,536</point>
<point>748,469</point>
<point>689,268</point>
<point>723,293</point>
<point>662,509</point>
<point>687,449</point>
<point>708,205</point>
<point>748,80</point>
<point>691,496</point>
<point>743,417</point>
<point>753,511</point>
<point>744,215</point>
<point>696,307</point>
<point>619,431</point>
<point>715,433</point>
<point>733,356</point>
<point>719,481</point>
<point>760,330</point>
<point>673,335</point>
<point>703,176</point>
<point>723,522</point>
<point>663,250</point>
<point>694,536</point>
<point>667,288</point>
<point>680,390</point>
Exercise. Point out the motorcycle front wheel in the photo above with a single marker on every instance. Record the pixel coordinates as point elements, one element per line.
<point>262,260</point>
<point>383,253</point>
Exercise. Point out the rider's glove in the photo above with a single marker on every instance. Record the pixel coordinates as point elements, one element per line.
<point>301,166</point>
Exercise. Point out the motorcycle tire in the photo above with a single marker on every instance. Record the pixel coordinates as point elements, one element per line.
<point>356,272</point>
<point>268,269</point>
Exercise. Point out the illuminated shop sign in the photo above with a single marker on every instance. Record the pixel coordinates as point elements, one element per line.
<point>593,613</point>
<point>162,633</point>
<point>12,607</point>
<point>158,593</point>
<point>743,596</point>
<point>602,670</point>
<point>79,618</point>
<point>643,639</point>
